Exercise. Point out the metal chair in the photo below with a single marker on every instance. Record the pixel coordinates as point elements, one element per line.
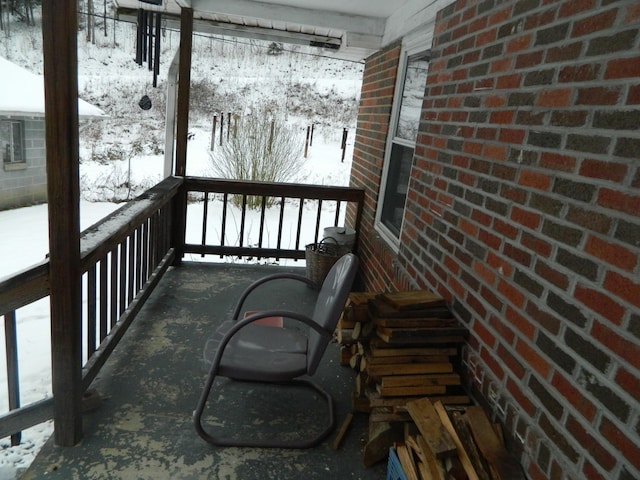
<point>253,352</point>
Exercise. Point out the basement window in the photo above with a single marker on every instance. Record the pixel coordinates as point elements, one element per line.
<point>405,120</point>
<point>12,142</point>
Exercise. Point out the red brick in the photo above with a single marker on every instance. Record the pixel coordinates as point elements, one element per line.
<point>512,135</point>
<point>502,266</point>
<point>611,253</point>
<point>502,116</point>
<point>504,228</point>
<point>560,97</point>
<point>493,101</point>
<point>551,275</point>
<point>623,287</point>
<point>604,170</point>
<point>556,161</point>
<point>628,381</point>
<point>525,217</point>
<point>632,13</point>
<point>520,323</point>
<point>634,95</point>
<point>590,472</point>
<point>572,7</point>
<point>492,363</point>
<point>598,96</point>
<point>509,81</point>
<point>601,303</point>
<point>534,179</point>
<point>481,217</point>
<point>490,240</point>
<point>485,273</point>
<point>522,399</point>
<point>515,296</point>
<point>519,43</point>
<point>533,359</point>
<point>620,442</point>
<point>536,244</point>
<point>511,362</point>
<point>574,396</point>
<point>617,200</point>
<point>602,456</point>
<point>579,73</point>
<point>626,349</point>
<point>504,64</point>
<point>596,22</point>
<point>497,152</point>
<point>623,68</point>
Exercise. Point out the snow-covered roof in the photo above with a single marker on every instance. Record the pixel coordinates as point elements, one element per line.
<point>22,93</point>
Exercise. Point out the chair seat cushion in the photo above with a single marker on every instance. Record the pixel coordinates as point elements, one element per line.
<point>256,351</point>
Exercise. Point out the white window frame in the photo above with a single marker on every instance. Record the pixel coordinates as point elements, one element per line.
<point>9,147</point>
<point>411,46</point>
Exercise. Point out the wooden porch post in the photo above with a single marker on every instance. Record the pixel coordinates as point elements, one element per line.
<point>59,32</point>
<point>182,126</point>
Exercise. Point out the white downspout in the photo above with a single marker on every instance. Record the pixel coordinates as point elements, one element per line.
<point>170,123</point>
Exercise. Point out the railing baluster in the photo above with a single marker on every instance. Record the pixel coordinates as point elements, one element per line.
<point>145,253</point>
<point>103,298</point>
<point>319,214</point>
<point>205,214</point>
<point>138,259</point>
<point>123,276</point>
<point>263,211</point>
<point>131,282</point>
<point>243,216</point>
<point>91,310</point>
<point>13,374</point>
<point>280,224</point>
<point>337,219</point>
<point>114,286</point>
<point>225,197</point>
<point>299,229</point>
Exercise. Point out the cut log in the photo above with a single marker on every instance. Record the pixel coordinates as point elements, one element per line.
<point>428,422</point>
<point>406,460</point>
<point>345,355</point>
<point>464,434</point>
<point>371,360</point>
<point>420,340</point>
<point>376,400</point>
<point>462,453</point>
<point>417,322</point>
<point>410,391</point>
<point>357,330</point>
<point>420,333</point>
<point>420,380</point>
<point>388,414</point>
<point>382,436</point>
<point>408,369</point>
<point>503,465</point>
<point>345,336</point>
<point>433,467</point>
<point>412,300</point>
<point>342,432</point>
<point>380,348</point>
<point>380,308</point>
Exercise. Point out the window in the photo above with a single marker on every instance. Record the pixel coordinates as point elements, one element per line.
<point>11,141</point>
<point>402,141</point>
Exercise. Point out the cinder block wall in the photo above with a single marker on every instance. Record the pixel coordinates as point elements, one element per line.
<point>27,186</point>
<point>524,211</point>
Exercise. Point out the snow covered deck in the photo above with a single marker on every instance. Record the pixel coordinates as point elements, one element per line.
<point>149,387</point>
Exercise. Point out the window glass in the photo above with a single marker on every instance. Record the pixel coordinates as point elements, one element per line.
<point>11,142</point>
<point>402,145</point>
<point>412,95</point>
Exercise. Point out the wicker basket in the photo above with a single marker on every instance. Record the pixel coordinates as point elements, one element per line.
<point>321,256</point>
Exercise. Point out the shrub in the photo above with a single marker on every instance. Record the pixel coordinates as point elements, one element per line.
<point>260,150</point>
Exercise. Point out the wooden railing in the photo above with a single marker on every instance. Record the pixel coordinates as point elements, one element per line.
<point>122,259</point>
<point>300,207</point>
<point>124,256</point>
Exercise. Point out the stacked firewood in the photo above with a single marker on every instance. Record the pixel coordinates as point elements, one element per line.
<point>405,349</point>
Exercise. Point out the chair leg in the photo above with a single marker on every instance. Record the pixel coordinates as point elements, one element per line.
<point>232,442</point>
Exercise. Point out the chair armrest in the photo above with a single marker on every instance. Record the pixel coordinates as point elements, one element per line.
<point>262,281</point>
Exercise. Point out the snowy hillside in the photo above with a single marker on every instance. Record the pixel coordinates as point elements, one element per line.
<point>228,76</point>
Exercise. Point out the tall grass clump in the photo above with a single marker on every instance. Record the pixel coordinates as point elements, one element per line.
<point>260,149</point>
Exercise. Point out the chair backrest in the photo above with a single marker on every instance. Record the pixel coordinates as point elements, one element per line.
<point>331,299</point>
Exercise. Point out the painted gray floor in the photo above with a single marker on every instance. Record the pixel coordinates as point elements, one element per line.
<point>150,387</point>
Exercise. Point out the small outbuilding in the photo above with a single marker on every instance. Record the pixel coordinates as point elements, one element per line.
<point>23,177</point>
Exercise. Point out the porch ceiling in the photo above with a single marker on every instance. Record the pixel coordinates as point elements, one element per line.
<point>347,29</point>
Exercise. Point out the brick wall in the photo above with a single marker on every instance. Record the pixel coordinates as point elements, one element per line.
<point>373,125</point>
<point>524,211</point>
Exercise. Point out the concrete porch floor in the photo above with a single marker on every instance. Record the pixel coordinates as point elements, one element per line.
<point>150,386</point>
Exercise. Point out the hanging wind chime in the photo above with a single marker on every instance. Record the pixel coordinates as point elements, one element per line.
<point>148,45</point>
